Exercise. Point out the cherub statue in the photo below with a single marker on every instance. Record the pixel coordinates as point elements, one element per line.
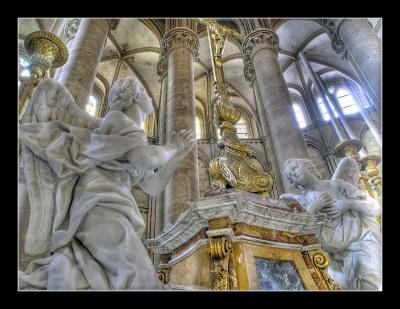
<point>350,233</point>
<point>80,171</point>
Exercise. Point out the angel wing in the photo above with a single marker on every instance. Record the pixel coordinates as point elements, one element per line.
<point>50,101</point>
<point>348,170</point>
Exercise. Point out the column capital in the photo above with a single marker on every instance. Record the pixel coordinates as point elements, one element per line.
<point>180,38</point>
<point>332,29</point>
<point>260,39</point>
<point>70,29</point>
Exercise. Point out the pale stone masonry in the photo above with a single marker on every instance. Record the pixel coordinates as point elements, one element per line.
<point>79,72</point>
<point>181,45</point>
<point>261,47</point>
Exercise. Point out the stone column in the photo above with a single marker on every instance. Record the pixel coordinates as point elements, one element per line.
<point>316,116</point>
<point>181,45</point>
<point>356,41</point>
<point>363,112</point>
<point>57,26</point>
<point>69,30</point>
<point>337,107</point>
<point>318,87</point>
<point>79,72</point>
<point>260,49</point>
<point>162,70</point>
<point>268,145</point>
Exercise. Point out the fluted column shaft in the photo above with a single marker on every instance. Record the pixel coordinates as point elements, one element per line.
<point>79,72</point>
<point>364,113</point>
<point>180,45</point>
<point>260,49</point>
<point>355,40</point>
<point>268,145</point>
<point>337,107</point>
<point>320,90</point>
<point>69,30</point>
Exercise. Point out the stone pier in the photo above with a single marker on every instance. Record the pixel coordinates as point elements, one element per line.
<point>260,49</point>
<point>79,73</point>
<point>180,45</point>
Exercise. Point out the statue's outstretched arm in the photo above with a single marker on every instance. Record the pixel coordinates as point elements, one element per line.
<point>150,157</point>
<point>181,144</point>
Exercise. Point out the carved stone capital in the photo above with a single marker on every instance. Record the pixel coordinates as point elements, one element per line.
<point>249,71</point>
<point>162,64</point>
<point>113,23</point>
<point>70,29</point>
<point>336,42</point>
<point>180,38</point>
<point>259,39</point>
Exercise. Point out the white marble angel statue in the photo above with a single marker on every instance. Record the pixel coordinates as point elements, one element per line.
<point>80,171</point>
<point>350,233</point>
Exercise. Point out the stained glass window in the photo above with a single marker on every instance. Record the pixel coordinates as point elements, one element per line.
<point>301,119</point>
<point>91,105</point>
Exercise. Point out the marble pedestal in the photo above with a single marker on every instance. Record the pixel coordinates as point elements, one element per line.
<point>237,240</point>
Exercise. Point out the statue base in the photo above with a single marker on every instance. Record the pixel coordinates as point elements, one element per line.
<point>238,240</point>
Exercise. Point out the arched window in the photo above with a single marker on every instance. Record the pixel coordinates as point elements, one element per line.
<point>91,106</point>
<point>346,102</point>
<point>24,71</point>
<point>198,127</point>
<point>323,110</point>
<point>241,128</point>
<point>301,119</point>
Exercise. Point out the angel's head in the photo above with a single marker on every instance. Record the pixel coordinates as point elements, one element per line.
<point>126,92</point>
<point>301,172</point>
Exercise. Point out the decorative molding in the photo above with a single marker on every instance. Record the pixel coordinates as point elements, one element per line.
<point>162,64</point>
<point>249,71</point>
<point>70,29</point>
<point>260,39</point>
<point>180,38</point>
<point>336,42</point>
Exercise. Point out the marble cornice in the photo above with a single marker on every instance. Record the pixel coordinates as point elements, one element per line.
<point>239,207</point>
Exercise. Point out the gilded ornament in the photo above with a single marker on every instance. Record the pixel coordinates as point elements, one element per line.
<point>222,272</point>
<point>232,167</point>
<point>163,275</point>
<point>46,51</point>
<point>320,262</point>
<point>348,148</point>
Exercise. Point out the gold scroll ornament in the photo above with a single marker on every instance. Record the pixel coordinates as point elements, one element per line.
<point>222,272</point>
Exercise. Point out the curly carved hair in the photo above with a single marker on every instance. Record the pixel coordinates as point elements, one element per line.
<point>125,92</point>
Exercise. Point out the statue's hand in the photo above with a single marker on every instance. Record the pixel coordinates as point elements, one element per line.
<point>327,206</point>
<point>324,201</point>
<point>184,141</point>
